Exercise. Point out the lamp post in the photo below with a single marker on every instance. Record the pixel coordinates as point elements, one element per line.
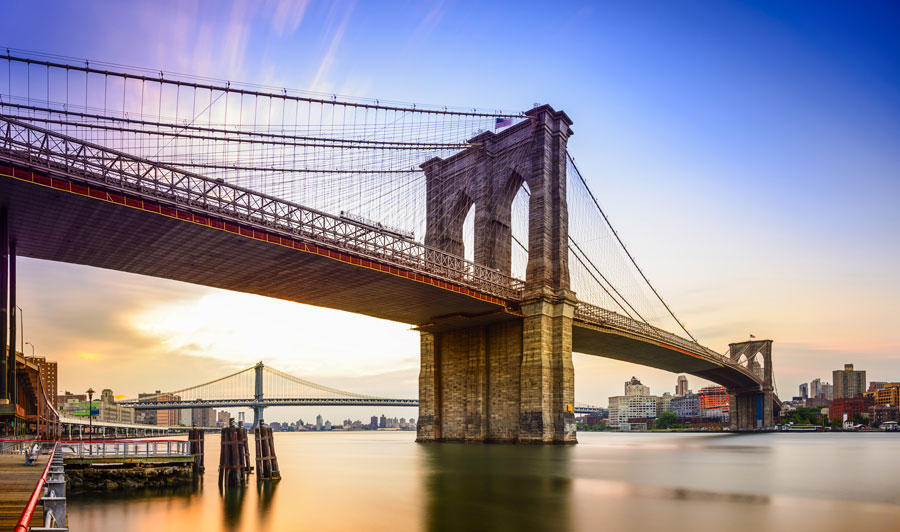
<point>22,330</point>
<point>32,349</point>
<point>90,392</point>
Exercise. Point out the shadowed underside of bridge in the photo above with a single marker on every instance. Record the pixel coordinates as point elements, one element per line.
<point>60,225</point>
<point>90,185</point>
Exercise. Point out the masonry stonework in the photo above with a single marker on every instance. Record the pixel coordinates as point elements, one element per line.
<point>745,405</point>
<point>510,380</point>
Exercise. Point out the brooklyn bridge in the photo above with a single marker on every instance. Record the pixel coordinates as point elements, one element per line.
<point>474,226</point>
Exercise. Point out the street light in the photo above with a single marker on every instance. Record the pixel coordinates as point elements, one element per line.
<point>90,392</point>
<point>22,330</point>
<point>32,348</point>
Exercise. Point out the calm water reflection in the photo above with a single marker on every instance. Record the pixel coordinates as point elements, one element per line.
<point>384,481</point>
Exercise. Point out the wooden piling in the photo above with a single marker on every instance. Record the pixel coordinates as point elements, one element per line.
<point>196,437</point>
<point>234,459</point>
<point>266,461</point>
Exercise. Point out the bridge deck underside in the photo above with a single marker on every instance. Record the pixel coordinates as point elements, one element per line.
<point>61,226</point>
<point>609,343</point>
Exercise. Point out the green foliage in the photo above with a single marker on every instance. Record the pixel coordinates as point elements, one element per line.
<point>599,426</point>
<point>803,416</point>
<point>666,420</point>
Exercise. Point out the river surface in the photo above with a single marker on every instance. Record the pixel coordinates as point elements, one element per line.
<point>609,481</point>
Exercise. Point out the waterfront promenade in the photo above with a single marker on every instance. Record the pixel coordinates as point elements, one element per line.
<point>17,482</point>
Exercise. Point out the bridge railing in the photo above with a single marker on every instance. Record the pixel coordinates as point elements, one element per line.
<point>595,315</point>
<point>93,164</point>
<point>125,449</point>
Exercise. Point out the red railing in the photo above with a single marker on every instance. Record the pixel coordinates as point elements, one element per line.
<point>25,521</point>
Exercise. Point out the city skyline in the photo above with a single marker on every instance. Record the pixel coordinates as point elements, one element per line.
<point>806,152</point>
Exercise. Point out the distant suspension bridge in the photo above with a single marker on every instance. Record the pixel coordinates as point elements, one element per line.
<point>261,386</point>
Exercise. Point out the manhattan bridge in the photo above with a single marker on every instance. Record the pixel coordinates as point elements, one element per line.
<point>474,226</point>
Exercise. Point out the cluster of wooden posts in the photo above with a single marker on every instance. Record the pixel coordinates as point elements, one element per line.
<point>195,436</point>
<point>234,458</point>
<point>266,461</point>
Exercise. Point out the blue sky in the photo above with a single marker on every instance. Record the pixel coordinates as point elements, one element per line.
<point>746,151</point>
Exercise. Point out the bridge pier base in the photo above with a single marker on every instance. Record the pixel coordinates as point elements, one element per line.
<point>508,381</point>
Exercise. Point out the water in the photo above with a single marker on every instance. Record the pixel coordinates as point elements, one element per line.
<point>609,481</point>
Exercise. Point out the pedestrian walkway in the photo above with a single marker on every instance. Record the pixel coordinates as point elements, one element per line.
<point>17,483</point>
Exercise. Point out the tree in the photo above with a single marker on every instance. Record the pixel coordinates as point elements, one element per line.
<point>666,420</point>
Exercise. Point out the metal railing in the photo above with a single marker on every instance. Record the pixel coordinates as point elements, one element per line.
<point>125,449</point>
<point>24,523</point>
<point>96,165</point>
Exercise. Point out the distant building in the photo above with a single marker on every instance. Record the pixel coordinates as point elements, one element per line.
<point>848,382</point>
<point>110,412</point>
<point>889,394</point>
<point>222,418</point>
<point>319,422</point>
<point>686,406</point>
<point>49,377</point>
<point>851,406</point>
<point>885,413</point>
<point>827,391</point>
<point>373,423</point>
<point>664,403</point>
<point>382,423</point>
<point>815,388</point>
<point>69,397</point>
<point>714,402</point>
<point>634,387</point>
<point>756,368</point>
<point>203,417</point>
<point>163,418</point>
<point>681,386</point>
<point>804,391</point>
<point>876,385</point>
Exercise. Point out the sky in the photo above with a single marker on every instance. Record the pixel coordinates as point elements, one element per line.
<point>746,152</point>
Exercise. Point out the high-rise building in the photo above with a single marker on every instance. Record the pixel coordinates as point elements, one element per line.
<point>681,387</point>
<point>815,388</point>
<point>203,417</point>
<point>382,423</point>
<point>849,382</point>
<point>804,391</point>
<point>373,423</point>
<point>319,424</point>
<point>827,391</point>
<point>49,377</point>
<point>222,418</point>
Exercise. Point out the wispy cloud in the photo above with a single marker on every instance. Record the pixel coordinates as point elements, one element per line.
<point>321,81</point>
<point>287,15</point>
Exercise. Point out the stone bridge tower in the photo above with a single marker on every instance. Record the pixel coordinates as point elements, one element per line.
<point>503,377</point>
<point>753,409</point>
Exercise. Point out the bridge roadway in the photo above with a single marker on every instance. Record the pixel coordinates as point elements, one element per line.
<point>73,202</point>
